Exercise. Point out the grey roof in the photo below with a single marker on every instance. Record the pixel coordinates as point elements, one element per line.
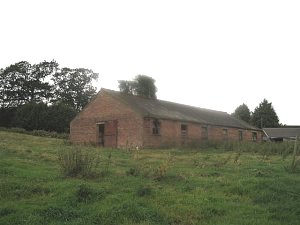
<point>282,132</point>
<point>169,110</point>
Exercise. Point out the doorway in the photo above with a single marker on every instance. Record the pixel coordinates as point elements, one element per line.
<point>101,134</point>
<point>107,133</point>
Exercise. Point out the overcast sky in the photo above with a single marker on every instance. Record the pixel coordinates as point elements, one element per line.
<point>213,54</point>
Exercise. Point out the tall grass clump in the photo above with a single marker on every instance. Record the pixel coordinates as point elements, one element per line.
<point>76,162</point>
<point>161,171</point>
<point>295,159</point>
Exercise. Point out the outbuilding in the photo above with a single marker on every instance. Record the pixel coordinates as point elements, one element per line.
<point>282,133</point>
<point>114,119</point>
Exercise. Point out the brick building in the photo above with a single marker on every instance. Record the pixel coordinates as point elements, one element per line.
<point>114,119</point>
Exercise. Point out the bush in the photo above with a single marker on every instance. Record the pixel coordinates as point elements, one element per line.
<point>6,116</point>
<point>40,116</point>
<point>74,162</point>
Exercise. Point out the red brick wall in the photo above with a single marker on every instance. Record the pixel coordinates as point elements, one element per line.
<point>133,130</point>
<point>83,128</point>
<point>170,133</point>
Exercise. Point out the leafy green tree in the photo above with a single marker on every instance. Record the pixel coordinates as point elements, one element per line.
<point>127,86</point>
<point>142,85</point>
<point>26,90</point>
<point>39,116</point>
<point>13,80</point>
<point>30,116</point>
<point>22,82</point>
<point>7,116</point>
<point>39,87</point>
<point>145,86</point>
<point>58,117</point>
<point>242,112</point>
<point>74,86</point>
<point>265,116</point>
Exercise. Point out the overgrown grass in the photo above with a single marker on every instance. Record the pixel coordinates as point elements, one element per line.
<point>41,133</point>
<point>195,186</point>
<point>75,161</point>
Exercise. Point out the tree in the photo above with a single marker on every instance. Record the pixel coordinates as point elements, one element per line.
<point>30,116</point>
<point>127,86</point>
<point>26,91</point>
<point>142,85</point>
<point>58,117</point>
<point>39,116</point>
<point>7,116</point>
<point>22,82</point>
<point>264,115</point>
<point>74,86</point>
<point>242,112</point>
<point>145,86</point>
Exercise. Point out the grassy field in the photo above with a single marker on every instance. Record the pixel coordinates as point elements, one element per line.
<point>173,186</point>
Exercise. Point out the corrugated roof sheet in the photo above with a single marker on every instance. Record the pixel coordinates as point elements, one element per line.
<point>282,132</point>
<point>169,110</point>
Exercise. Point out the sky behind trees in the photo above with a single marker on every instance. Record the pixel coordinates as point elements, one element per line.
<point>211,54</point>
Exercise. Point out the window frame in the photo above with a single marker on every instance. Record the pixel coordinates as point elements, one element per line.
<point>241,135</point>
<point>204,132</point>
<point>225,134</point>
<point>156,127</point>
<point>254,136</point>
<point>184,132</point>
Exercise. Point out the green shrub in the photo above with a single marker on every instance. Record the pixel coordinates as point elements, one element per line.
<point>75,162</point>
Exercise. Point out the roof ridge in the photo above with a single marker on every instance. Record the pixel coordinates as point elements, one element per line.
<point>161,100</point>
<point>163,109</point>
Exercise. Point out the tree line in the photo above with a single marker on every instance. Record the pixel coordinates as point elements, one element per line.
<point>263,115</point>
<point>43,95</point>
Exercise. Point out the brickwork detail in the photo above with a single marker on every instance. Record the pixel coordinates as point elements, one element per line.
<point>130,129</point>
<point>170,133</point>
<point>83,129</point>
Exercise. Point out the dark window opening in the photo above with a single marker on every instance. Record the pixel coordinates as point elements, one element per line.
<point>225,134</point>
<point>101,134</point>
<point>184,129</point>
<point>204,133</point>
<point>156,127</point>
<point>254,136</point>
<point>240,135</point>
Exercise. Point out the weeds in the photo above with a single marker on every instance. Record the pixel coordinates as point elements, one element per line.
<point>161,170</point>
<point>295,159</point>
<point>107,165</point>
<point>74,162</point>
